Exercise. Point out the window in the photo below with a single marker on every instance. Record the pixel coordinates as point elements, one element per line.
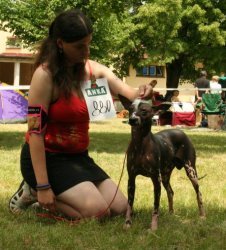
<point>159,71</point>
<point>151,71</point>
<point>13,42</point>
<point>145,71</point>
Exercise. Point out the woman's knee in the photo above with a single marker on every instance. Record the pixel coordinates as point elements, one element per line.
<point>86,199</point>
<point>67,210</point>
<point>120,206</point>
<point>90,210</point>
<point>113,196</point>
<point>96,208</point>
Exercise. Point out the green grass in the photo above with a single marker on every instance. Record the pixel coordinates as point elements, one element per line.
<point>109,141</point>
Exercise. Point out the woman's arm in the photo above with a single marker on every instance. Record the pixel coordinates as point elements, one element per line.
<point>40,94</point>
<point>117,86</point>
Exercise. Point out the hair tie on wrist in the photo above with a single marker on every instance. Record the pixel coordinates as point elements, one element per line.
<point>43,186</point>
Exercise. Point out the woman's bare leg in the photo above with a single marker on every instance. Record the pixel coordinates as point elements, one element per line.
<point>84,199</point>
<point>88,200</point>
<point>108,189</point>
<point>67,210</point>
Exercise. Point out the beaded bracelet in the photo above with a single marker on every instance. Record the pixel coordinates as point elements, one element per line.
<point>43,186</point>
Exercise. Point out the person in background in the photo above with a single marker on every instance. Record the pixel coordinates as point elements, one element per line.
<point>222,82</point>
<point>175,96</point>
<point>215,87</point>
<point>202,85</point>
<point>157,98</point>
<point>57,169</point>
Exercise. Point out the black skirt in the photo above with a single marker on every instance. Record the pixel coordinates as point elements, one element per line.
<point>64,170</point>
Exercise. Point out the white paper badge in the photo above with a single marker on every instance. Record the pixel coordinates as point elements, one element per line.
<point>98,99</point>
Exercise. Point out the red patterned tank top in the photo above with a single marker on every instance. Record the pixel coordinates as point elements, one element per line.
<point>67,127</point>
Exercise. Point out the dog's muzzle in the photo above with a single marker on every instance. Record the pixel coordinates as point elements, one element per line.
<point>134,120</point>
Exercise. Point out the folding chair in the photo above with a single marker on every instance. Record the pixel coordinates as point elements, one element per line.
<point>215,110</point>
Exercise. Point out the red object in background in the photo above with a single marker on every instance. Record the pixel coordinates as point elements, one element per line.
<point>165,118</point>
<point>157,98</point>
<point>183,118</point>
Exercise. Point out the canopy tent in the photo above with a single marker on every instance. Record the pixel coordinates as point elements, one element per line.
<point>13,106</point>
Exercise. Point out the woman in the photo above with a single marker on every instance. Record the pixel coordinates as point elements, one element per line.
<point>175,96</point>
<point>215,87</point>
<point>54,160</point>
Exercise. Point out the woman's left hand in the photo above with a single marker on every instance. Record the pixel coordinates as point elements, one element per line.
<point>145,91</point>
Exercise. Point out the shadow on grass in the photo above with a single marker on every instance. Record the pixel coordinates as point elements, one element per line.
<point>109,142</point>
<point>118,142</point>
<point>11,140</point>
<point>101,142</point>
<point>209,142</point>
<point>184,216</point>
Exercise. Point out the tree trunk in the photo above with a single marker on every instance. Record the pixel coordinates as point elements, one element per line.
<point>173,71</point>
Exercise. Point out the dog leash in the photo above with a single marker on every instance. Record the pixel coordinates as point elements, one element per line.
<point>50,215</point>
<point>120,178</point>
<point>58,218</point>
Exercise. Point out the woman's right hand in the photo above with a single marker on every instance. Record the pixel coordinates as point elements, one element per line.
<point>47,199</point>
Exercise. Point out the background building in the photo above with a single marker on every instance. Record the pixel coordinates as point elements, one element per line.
<point>16,68</point>
<point>16,62</point>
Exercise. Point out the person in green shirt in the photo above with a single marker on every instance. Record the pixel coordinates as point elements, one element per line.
<point>222,81</point>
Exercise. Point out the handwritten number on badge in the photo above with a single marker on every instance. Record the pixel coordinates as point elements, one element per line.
<point>100,108</point>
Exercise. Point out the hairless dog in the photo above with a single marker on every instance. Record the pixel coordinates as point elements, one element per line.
<point>155,156</point>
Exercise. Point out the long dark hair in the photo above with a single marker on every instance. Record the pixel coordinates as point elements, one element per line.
<point>70,26</point>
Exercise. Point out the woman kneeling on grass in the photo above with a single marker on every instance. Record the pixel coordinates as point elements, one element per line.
<point>55,163</point>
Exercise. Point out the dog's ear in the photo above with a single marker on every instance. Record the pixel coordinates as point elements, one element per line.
<point>125,102</point>
<point>164,106</point>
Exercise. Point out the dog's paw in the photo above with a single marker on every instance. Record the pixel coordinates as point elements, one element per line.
<point>154,222</point>
<point>171,211</point>
<point>127,225</point>
<point>202,217</point>
<point>154,226</point>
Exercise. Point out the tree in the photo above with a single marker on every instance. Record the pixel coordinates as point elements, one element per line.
<point>178,33</point>
<point>29,20</point>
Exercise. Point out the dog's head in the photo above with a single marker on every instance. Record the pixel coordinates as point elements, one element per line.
<point>142,111</point>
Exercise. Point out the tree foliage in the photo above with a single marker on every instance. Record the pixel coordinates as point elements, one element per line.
<point>29,20</point>
<point>180,33</point>
<point>176,33</point>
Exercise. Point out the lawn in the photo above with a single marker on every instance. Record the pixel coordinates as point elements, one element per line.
<point>109,141</point>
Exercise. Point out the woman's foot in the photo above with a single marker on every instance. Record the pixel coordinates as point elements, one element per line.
<point>22,199</point>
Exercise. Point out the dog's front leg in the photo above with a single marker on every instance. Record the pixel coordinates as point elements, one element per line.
<point>157,193</point>
<point>131,193</point>
<point>168,188</point>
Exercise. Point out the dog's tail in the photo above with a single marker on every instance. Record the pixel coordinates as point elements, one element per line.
<point>199,178</point>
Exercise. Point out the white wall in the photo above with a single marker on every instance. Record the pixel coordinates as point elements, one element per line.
<point>3,49</point>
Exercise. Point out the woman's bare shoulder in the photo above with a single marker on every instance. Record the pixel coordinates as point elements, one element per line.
<point>99,70</point>
<point>42,72</point>
<point>41,76</point>
<point>41,81</point>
